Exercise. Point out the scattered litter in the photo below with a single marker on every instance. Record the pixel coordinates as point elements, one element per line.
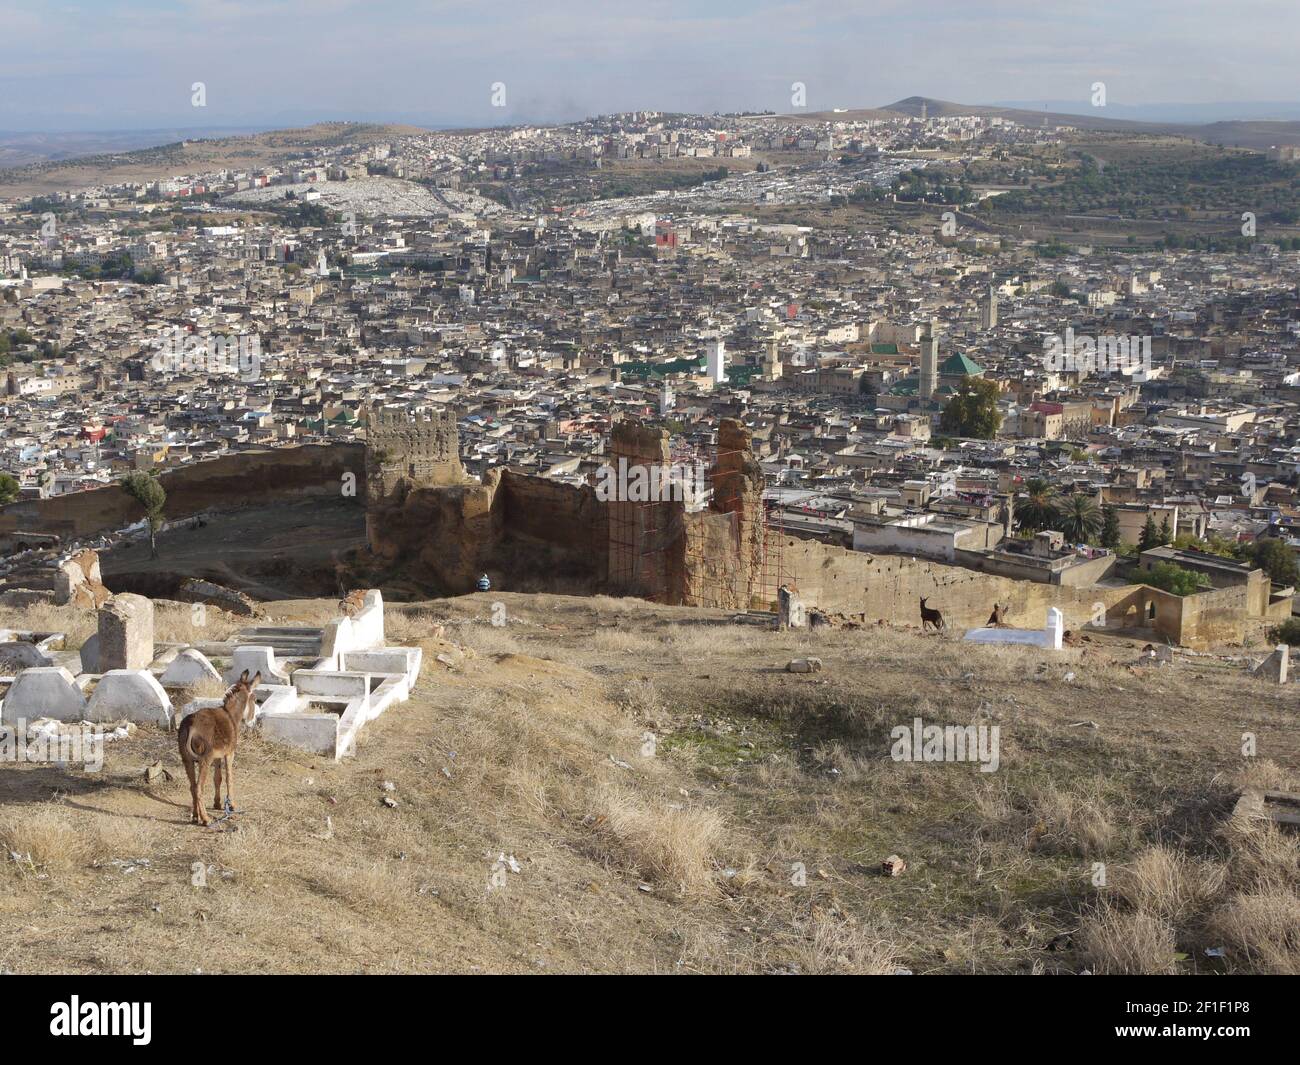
<point>1084,724</point>
<point>389,801</point>
<point>646,888</point>
<point>893,866</point>
<point>1069,678</point>
<point>1215,952</point>
<point>329,829</point>
<point>388,785</point>
<point>621,765</point>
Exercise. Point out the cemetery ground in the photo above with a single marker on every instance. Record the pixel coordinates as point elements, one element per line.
<point>605,785</point>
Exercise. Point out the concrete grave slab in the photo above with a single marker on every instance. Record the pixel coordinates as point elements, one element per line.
<point>44,691</point>
<point>189,667</point>
<point>1049,637</point>
<point>131,695</point>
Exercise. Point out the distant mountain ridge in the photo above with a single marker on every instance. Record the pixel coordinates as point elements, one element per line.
<point>1256,134</point>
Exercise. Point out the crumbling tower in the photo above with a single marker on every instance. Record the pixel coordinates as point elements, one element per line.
<point>406,448</point>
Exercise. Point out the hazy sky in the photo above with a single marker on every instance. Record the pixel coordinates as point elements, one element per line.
<point>129,64</point>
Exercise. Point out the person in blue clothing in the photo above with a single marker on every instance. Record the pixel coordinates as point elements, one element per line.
<point>484,585</point>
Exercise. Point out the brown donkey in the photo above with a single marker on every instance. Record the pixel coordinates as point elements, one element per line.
<point>208,737</point>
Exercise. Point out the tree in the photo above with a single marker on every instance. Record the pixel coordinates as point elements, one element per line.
<point>1169,577</point>
<point>1166,533</point>
<point>1079,518</point>
<point>1277,560</point>
<point>1150,535</point>
<point>1110,538</point>
<point>973,411</point>
<point>9,488</point>
<point>1037,511</point>
<point>150,494</point>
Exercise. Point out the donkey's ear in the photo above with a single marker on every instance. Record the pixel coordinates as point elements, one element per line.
<point>243,677</point>
<point>257,679</point>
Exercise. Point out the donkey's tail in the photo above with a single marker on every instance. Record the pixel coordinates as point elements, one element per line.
<point>197,745</point>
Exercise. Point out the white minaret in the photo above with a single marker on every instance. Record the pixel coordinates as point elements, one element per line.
<point>666,400</point>
<point>322,264</point>
<point>715,354</point>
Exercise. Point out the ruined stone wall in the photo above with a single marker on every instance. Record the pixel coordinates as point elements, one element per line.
<point>1207,618</point>
<point>532,534</point>
<point>890,587</point>
<point>525,533</point>
<point>415,447</point>
<point>646,541</point>
<point>274,475</point>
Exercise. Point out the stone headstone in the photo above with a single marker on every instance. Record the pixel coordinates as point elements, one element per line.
<point>791,613</point>
<point>90,654</point>
<point>1054,632</point>
<point>1276,666</point>
<point>125,633</point>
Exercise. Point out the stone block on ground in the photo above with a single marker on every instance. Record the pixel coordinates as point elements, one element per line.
<point>208,593</point>
<point>125,633</point>
<point>804,665</point>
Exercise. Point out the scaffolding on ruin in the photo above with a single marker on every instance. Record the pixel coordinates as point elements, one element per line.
<point>642,536</point>
<point>713,545</point>
<point>756,542</point>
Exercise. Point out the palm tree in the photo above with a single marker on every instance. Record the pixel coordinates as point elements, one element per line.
<point>1037,510</point>
<point>1079,518</point>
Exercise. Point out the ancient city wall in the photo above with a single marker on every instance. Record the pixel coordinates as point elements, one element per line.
<point>526,533</point>
<point>274,475</point>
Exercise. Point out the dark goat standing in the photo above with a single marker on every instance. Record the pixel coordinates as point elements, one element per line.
<point>929,616</point>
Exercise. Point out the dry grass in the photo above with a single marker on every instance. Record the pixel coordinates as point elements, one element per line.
<point>829,946</point>
<point>78,623</point>
<point>535,748</point>
<point>670,845</point>
<point>1261,931</point>
<point>1169,884</point>
<point>1118,943</point>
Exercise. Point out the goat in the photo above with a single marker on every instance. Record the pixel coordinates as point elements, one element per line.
<point>209,736</point>
<point>997,619</point>
<point>352,603</point>
<point>930,616</point>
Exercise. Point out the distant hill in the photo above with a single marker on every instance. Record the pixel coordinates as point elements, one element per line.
<point>185,155</point>
<point>1256,134</point>
<point>25,148</point>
